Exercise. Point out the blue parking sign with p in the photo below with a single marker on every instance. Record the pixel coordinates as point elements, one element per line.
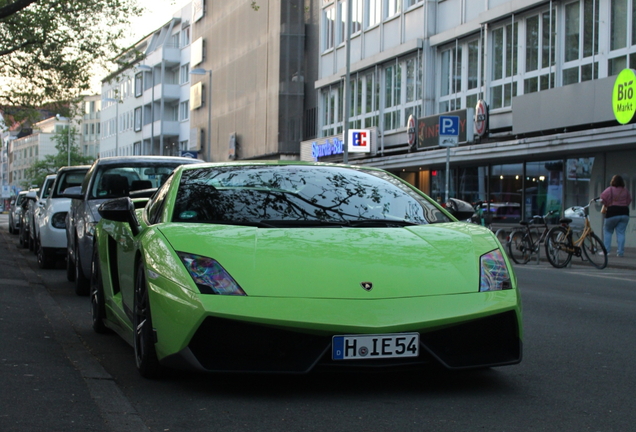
<point>448,131</point>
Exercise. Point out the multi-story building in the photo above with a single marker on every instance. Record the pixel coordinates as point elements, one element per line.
<point>145,107</point>
<point>25,151</point>
<point>90,125</point>
<point>540,75</point>
<point>250,102</point>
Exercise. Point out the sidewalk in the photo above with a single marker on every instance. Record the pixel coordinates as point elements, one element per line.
<point>50,381</point>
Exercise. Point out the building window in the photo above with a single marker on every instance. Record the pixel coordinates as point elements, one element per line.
<point>373,8</point>
<point>581,42</point>
<point>184,110</point>
<point>185,37</point>
<point>139,89</point>
<point>451,79</point>
<point>392,96</point>
<point>410,3</point>
<point>392,8</point>
<point>329,22</point>
<point>540,36</point>
<point>332,111</point>
<point>622,36</point>
<point>184,74</point>
<point>137,119</point>
<point>504,48</point>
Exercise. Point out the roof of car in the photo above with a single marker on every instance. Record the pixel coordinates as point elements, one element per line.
<point>73,168</point>
<point>117,160</point>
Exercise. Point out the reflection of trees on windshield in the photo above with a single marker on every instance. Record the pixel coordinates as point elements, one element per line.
<point>251,194</point>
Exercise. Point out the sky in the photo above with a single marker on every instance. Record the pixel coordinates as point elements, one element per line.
<point>158,12</point>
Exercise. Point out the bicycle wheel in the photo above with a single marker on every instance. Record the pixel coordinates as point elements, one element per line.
<point>519,247</point>
<point>558,247</point>
<point>594,250</point>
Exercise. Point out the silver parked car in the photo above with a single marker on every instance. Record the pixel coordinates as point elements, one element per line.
<point>108,178</point>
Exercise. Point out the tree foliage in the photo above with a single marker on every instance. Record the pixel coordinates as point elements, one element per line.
<point>49,47</point>
<point>50,164</point>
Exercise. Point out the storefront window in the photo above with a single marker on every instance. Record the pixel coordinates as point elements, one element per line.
<point>544,189</point>
<point>577,181</point>
<point>472,184</point>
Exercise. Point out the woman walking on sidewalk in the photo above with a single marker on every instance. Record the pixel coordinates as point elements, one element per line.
<point>616,198</point>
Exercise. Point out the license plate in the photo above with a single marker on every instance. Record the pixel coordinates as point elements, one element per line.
<point>359,347</point>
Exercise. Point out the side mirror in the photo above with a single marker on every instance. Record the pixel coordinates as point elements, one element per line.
<point>120,210</point>
<point>460,209</point>
<point>74,192</point>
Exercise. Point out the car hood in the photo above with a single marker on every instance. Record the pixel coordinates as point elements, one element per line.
<point>422,260</point>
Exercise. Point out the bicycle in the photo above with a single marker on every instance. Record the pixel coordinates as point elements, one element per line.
<point>525,241</point>
<point>560,246</point>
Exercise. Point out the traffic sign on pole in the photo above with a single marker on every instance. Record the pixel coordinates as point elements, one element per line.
<point>448,131</point>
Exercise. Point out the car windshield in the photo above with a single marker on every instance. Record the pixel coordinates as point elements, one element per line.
<point>66,180</point>
<point>293,195</point>
<point>119,181</point>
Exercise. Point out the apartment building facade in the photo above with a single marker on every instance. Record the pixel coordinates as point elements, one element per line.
<point>145,105</point>
<point>538,74</point>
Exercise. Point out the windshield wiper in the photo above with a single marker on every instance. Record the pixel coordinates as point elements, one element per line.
<point>389,223</point>
<point>281,223</point>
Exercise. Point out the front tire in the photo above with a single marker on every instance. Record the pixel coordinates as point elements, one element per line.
<point>98,306</point>
<point>519,247</point>
<point>558,247</point>
<point>595,251</point>
<point>143,338</point>
<point>46,257</point>
<point>82,283</point>
<point>70,266</point>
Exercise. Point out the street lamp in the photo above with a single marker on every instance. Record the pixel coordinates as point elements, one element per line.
<point>116,123</point>
<point>147,68</point>
<point>200,71</point>
<point>68,145</point>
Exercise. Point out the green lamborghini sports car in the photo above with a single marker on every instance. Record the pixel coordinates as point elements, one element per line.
<point>292,266</point>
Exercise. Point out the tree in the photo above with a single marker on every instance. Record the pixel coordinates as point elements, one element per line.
<point>48,48</point>
<point>51,163</point>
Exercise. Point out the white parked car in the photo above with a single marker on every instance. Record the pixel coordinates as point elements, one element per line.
<point>35,209</point>
<point>50,220</point>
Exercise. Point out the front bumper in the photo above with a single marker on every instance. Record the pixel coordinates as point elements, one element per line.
<point>230,346</point>
<point>294,335</point>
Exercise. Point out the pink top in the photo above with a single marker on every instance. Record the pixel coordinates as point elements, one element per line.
<point>618,196</point>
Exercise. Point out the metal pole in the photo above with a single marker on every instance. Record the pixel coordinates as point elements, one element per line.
<point>209,115</point>
<point>447,172</point>
<point>347,85</point>
<point>68,148</point>
<point>117,127</point>
<point>152,112</point>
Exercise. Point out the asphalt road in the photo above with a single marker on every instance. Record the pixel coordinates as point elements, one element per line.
<point>578,371</point>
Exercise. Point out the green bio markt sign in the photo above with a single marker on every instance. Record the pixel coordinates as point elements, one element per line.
<point>624,97</point>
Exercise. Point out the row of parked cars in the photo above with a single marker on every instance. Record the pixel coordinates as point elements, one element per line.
<point>280,266</point>
<point>56,220</point>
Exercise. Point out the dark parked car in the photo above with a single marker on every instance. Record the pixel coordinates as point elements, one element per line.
<point>15,213</point>
<point>108,178</point>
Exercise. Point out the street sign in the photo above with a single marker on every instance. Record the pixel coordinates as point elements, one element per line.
<point>410,130</point>
<point>448,131</point>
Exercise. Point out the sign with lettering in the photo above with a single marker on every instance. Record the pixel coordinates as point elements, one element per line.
<point>428,128</point>
<point>359,141</point>
<point>623,98</point>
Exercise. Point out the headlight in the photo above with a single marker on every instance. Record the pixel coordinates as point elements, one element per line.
<point>494,274</point>
<point>59,220</point>
<point>209,276</point>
